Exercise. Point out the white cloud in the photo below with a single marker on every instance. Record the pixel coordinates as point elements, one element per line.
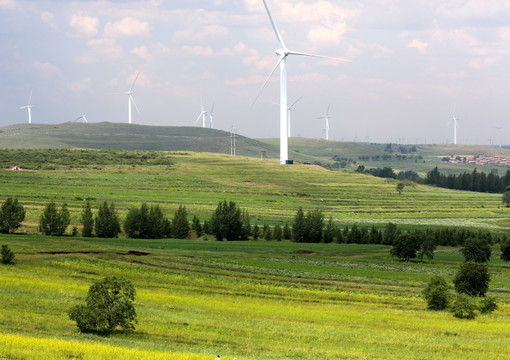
<point>484,62</point>
<point>206,51</point>
<point>320,35</point>
<point>100,50</point>
<point>143,53</point>
<point>9,4</point>
<point>202,34</point>
<point>48,18</point>
<point>127,27</point>
<point>48,70</point>
<point>83,85</point>
<point>418,44</point>
<point>84,26</point>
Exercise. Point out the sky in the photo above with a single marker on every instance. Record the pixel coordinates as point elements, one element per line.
<point>413,65</point>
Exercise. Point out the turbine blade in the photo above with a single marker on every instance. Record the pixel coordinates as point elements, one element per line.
<point>327,112</point>
<point>317,56</point>
<point>134,82</point>
<point>277,33</point>
<point>269,77</point>
<point>294,103</point>
<point>212,109</point>
<point>29,98</point>
<point>198,118</point>
<point>133,100</point>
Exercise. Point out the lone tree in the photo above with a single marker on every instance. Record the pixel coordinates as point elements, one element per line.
<point>54,222</point>
<point>12,215</point>
<point>227,221</point>
<point>87,220</point>
<point>7,255</point>
<point>299,226</point>
<point>477,250</point>
<point>472,279</point>
<point>506,196</point>
<point>405,246</point>
<point>505,250</point>
<point>107,223</point>
<point>109,304</point>
<point>180,224</point>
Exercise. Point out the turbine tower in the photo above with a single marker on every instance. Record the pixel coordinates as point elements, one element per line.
<point>202,115</point>
<point>500,128</point>
<point>288,114</point>
<point>29,108</point>
<point>326,117</point>
<point>455,122</point>
<point>130,99</point>
<point>211,118</point>
<point>283,53</point>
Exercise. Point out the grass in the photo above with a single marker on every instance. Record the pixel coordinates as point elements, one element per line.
<point>251,300</point>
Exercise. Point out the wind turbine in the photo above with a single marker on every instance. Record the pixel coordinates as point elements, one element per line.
<point>29,108</point>
<point>500,128</point>
<point>326,117</point>
<point>130,99</point>
<point>82,117</point>
<point>288,114</point>
<point>211,117</point>
<point>283,53</point>
<point>455,122</point>
<point>202,115</point>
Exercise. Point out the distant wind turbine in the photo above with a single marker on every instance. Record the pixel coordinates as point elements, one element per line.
<point>283,53</point>
<point>131,100</point>
<point>202,115</point>
<point>455,122</point>
<point>29,108</point>
<point>211,118</point>
<point>326,117</point>
<point>500,128</point>
<point>288,115</point>
<point>83,118</point>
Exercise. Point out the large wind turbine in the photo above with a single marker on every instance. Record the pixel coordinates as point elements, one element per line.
<point>326,117</point>
<point>211,118</point>
<point>455,122</point>
<point>29,108</point>
<point>202,115</point>
<point>130,99</point>
<point>283,53</point>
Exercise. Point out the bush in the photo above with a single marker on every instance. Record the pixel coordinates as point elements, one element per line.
<point>436,293</point>
<point>464,307</point>
<point>477,250</point>
<point>472,279</point>
<point>107,223</point>
<point>7,255</point>
<point>109,304</point>
<point>54,222</point>
<point>505,250</point>
<point>12,215</point>
<point>488,305</point>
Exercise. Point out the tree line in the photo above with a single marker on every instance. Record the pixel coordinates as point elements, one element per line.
<point>474,181</point>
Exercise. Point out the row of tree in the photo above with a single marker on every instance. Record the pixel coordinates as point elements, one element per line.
<point>474,181</point>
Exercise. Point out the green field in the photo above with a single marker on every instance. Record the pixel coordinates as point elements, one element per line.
<point>251,300</point>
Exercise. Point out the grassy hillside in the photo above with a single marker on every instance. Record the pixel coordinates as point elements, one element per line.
<point>270,192</point>
<point>250,300</point>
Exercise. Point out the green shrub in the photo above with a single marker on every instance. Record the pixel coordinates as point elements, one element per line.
<point>436,293</point>
<point>488,305</point>
<point>464,307</point>
<point>7,255</point>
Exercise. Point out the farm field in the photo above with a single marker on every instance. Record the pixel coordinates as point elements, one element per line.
<point>250,300</point>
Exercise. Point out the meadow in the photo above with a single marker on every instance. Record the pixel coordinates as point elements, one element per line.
<point>251,300</point>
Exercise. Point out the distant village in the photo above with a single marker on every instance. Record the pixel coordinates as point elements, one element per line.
<point>498,160</point>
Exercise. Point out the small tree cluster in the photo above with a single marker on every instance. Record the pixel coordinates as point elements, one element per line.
<point>477,250</point>
<point>53,221</point>
<point>308,228</point>
<point>146,223</point>
<point>437,293</point>
<point>107,224</point>
<point>410,245</point>
<point>12,214</point>
<point>180,224</point>
<point>230,223</point>
<point>109,304</point>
